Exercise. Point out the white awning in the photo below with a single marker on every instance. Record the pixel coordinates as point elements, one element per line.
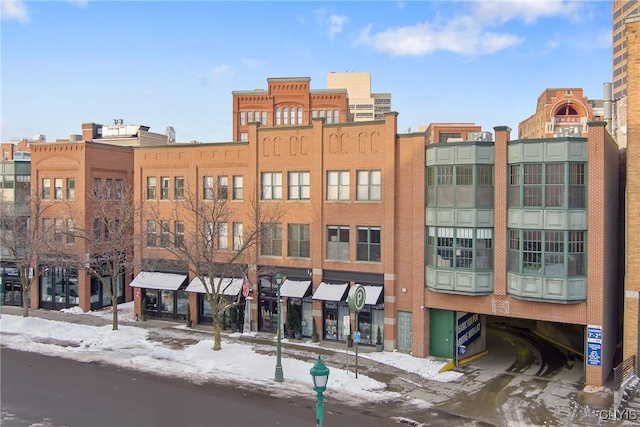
<point>373,294</point>
<point>331,292</point>
<point>229,286</point>
<point>152,280</point>
<point>295,288</point>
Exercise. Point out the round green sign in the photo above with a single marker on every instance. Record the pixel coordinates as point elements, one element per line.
<point>357,297</point>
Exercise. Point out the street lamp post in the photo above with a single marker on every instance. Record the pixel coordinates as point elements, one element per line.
<point>279,374</point>
<point>320,375</point>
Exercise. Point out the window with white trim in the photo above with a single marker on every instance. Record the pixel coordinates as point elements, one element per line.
<point>271,185</point>
<point>338,242</point>
<point>369,185</point>
<point>299,186</point>
<point>338,186</point>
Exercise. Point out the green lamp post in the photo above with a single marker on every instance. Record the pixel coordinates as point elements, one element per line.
<point>320,375</point>
<point>279,374</point>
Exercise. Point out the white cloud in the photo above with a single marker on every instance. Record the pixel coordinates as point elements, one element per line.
<point>252,63</point>
<point>471,32</point>
<point>79,3</point>
<point>14,10</point>
<point>400,5</point>
<point>336,23</point>
<point>219,71</point>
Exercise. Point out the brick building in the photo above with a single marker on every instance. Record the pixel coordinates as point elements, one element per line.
<point>419,219</point>
<point>561,111</point>
<point>631,344</point>
<point>287,101</point>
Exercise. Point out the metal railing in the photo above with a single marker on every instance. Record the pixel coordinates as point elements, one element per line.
<point>622,373</point>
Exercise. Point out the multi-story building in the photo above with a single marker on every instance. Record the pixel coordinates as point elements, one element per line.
<point>419,219</point>
<point>631,344</point>
<point>64,172</point>
<point>548,205</point>
<point>363,104</point>
<point>15,188</point>
<point>621,10</point>
<point>288,101</point>
<point>561,111</point>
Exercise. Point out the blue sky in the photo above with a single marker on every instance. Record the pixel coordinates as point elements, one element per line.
<point>163,63</point>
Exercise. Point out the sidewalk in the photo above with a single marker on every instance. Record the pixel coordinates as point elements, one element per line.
<point>482,396</point>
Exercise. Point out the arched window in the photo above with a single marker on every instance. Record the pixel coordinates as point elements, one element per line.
<point>300,116</point>
<point>277,116</point>
<point>285,119</point>
<point>292,111</point>
<point>566,114</point>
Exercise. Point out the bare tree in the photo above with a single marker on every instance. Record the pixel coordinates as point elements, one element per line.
<point>216,241</point>
<point>26,232</point>
<point>107,232</point>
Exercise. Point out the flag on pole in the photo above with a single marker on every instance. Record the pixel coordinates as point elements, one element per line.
<point>246,285</point>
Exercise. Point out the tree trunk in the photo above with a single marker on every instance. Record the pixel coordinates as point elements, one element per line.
<point>114,311</point>
<point>217,343</point>
<point>25,301</point>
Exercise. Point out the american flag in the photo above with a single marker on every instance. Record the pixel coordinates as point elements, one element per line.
<point>246,285</point>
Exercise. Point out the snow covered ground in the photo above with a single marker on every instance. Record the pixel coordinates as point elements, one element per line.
<point>239,361</point>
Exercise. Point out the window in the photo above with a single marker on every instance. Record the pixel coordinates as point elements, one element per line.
<point>46,230</point>
<point>57,229</point>
<point>178,187</point>
<point>237,236</point>
<point>369,185</point>
<point>46,188</point>
<point>223,187</point>
<point>271,240</point>
<point>165,237</point>
<point>368,244</point>
<point>179,233</point>
<point>208,187</point>
<point>243,118</point>
<point>576,186</point>
<point>338,185</point>
<point>445,192</point>
<point>547,185</point>
<point>551,253</point>
<point>244,136</point>
<point>151,234</point>
<point>336,116</point>
<point>285,116</point>
<point>299,186</point>
<point>97,188</point>
<point>328,116</point>
<point>484,186</point>
<point>57,184</point>
<point>237,187</point>
<point>277,116</point>
<point>223,236</point>
<point>250,117</point>
<point>338,243</point>
<point>300,116</point>
<point>264,118</point>
<point>118,189</point>
<point>96,229</point>
<point>164,188</point>
<point>272,185</point>
<point>554,188</point>
<point>298,241</point>
<point>460,248</point>
<point>151,187</point>
<point>462,186</point>
<point>71,238</point>
<point>107,230</point>
<point>107,188</point>
<point>208,236</point>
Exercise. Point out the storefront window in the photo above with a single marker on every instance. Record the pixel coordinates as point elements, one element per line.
<point>46,289</point>
<point>343,310</point>
<point>95,291</point>
<point>307,318</point>
<point>183,302</point>
<point>167,302</point>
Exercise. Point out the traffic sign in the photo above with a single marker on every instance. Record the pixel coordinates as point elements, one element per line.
<point>356,337</point>
<point>357,297</point>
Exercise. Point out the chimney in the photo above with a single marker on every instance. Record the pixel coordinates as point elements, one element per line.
<point>608,97</point>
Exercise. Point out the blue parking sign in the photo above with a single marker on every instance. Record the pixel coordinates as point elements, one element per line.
<point>356,337</point>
